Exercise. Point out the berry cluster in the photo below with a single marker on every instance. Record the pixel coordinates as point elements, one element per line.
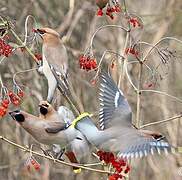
<point>8,97</point>
<point>132,51</point>
<point>5,49</point>
<point>114,8</point>
<point>87,63</point>
<point>4,107</point>
<point>31,161</point>
<point>15,98</point>
<point>134,22</point>
<point>120,165</point>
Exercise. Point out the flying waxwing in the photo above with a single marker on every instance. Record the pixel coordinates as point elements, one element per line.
<point>117,133</point>
<point>55,57</point>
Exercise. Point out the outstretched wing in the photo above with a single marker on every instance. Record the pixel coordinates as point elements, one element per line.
<point>132,143</point>
<point>142,144</point>
<point>114,108</point>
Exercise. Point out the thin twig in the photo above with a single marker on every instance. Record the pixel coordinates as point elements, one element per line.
<point>161,121</point>
<point>137,121</point>
<point>25,149</point>
<point>162,93</point>
<point>1,81</point>
<point>125,60</point>
<point>154,46</point>
<point>103,27</point>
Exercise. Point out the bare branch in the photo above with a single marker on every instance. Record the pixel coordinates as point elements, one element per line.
<point>161,121</point>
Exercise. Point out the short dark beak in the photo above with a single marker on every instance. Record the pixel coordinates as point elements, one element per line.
<point>14,113</point>
<point>37,31</point>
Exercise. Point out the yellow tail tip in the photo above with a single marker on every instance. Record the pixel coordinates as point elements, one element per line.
<point>77,171</point>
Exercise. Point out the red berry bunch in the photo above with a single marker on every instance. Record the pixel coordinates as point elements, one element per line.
<point>31,161</point>
<point>132,51</point>
<point>87,63</point>
<point>114,8</point>
<point>5,49</point>
<point>3,107</point>
<point>38,56</point>
<point>134,22</point>
<point>15,99</point>
<point>8,97</point>
<point>120,165</point>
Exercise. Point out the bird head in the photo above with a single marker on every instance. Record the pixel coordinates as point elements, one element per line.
<point>48,35</point>
<point>45,108</point>
<point>18,116</point>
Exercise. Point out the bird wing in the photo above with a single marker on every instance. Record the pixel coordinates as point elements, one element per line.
<point>114,108</point>
<point>130,143</point>
<point>57,57</point>
<point>55,126</point>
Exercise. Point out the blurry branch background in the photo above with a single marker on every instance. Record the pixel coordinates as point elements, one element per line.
<point>76,22</point>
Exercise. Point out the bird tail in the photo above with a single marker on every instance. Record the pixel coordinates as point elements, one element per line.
<point>147,148</point>
<point>72,158</point>
<point>62,82</point>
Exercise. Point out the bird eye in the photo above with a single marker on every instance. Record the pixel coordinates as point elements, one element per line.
<point>41,31</point>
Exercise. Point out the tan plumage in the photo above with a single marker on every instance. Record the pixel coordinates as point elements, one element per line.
<point>48,131</point>
<point>51,112</point>
<point>79,146</point>
<point>51,128</point>
<point>54,54</point>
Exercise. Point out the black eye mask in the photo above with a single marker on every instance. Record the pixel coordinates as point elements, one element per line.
<point>43,110</point>
<point>19,117</point>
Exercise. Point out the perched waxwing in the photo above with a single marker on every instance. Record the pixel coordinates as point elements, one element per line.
<point>49,131</point>
<point>79,146</point>
<point>55,57</point>
<point>52,128</point>
<point>117,134</point>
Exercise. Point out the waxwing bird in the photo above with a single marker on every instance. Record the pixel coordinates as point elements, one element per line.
<point>55,58</point>
<point>53,129</point>
<point>79,147</point>
<point>117,133</point>
<point>45,131</point>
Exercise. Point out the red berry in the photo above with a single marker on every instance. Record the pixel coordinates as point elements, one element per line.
<point>16,102</point>
<point>20,93</point>
<point>2,111</point>
<point>38,56</point>
<point>33,161</point>
<point>6,101</point>
<point>10,93</point>
<point>122,162</point>
<point>99,12</point>
<point>37,166</point>
<point>4,104</point>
